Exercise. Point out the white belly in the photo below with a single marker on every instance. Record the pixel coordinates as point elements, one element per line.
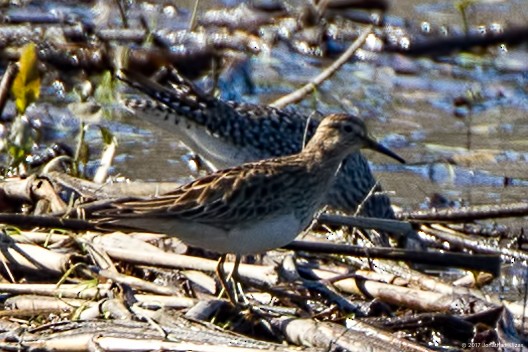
<point>252,238</point>
<point>256,237</point>
<point>264,235</point>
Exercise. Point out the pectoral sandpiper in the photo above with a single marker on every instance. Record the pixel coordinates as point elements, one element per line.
<point>253,207</point>
<point>228,133</point>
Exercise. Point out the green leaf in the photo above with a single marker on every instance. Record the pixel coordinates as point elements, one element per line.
<point>16,153</point>
<point>105,92</point>
<point>26,86</point>
<point>108,137</point>
<point>84,153</point>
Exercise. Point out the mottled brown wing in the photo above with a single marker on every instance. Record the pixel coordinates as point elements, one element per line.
<point>237,194</point>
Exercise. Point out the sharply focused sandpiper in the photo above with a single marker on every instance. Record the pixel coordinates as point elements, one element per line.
<point>253,207</point>
<point>228,133</point>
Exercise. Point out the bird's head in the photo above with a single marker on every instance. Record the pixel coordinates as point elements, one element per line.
<point>344,134</point>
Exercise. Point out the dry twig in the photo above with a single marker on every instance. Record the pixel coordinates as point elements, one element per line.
<point>300,93</point>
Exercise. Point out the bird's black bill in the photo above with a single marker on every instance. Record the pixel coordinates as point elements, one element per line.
<point>372,144</point>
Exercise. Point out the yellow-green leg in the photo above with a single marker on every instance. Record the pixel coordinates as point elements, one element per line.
<point>224,281</point>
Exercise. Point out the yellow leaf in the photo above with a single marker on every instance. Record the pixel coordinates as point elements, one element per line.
<point>26,87</point>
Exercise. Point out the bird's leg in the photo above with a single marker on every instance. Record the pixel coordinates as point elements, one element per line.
<point>234,273</point>
<point>237,280</point>
<point>220,272</point>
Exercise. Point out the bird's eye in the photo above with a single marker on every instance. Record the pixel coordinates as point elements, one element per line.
<point>347,128</point>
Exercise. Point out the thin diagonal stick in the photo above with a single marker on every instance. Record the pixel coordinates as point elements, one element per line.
<point>300,93</point>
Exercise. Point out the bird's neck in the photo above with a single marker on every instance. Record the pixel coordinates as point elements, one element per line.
<point>324,163</point>
<point>326,153</point>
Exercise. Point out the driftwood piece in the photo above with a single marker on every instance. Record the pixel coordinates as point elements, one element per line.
<point>467,213</point>
<point>30,190</point>
<point>206,282</point>
<point>71,291</point>
<point>445,46</point>
<point>357,336</point>
<point>29,221</point>
<point>19,258</point>
<point>134,282</point>
<point>64,290</point>
<point>413,277</point>
<point>461,240</point>
<point>156,301</point>
<point>420,300</point>
<point>35,305</point>
<point>112,308</point>
<point>421,281</point>
<point>105,162</point>
<point>487,263</point>
<point>92,190</point>
<point>5,84</point>
<point>205,309</point>
<point>127,335</point>
<point>17,189</point>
